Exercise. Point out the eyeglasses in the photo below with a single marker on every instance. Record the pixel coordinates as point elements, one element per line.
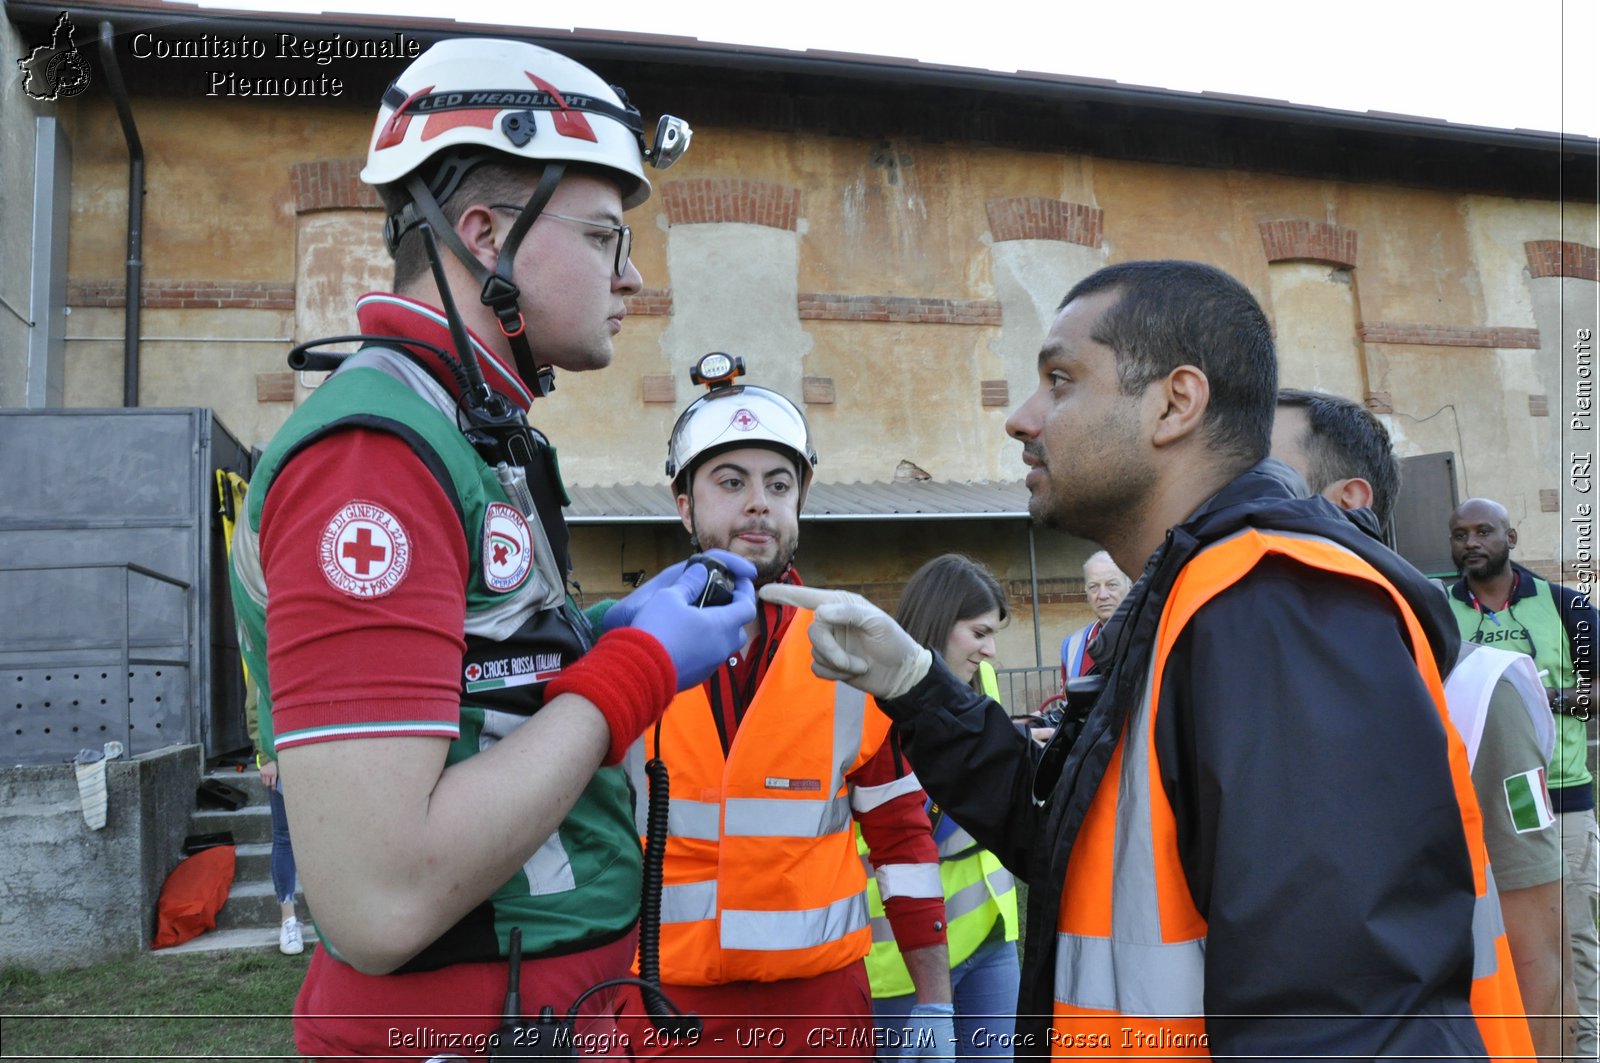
<point>623,234</point>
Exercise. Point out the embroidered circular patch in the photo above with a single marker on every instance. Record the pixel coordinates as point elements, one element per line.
<point>365,551</point>
<point>507,548</point>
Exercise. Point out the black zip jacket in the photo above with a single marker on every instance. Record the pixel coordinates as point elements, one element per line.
<point>1305,762</point>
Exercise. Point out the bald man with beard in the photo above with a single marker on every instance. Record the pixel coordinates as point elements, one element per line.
<point>1498,602</point>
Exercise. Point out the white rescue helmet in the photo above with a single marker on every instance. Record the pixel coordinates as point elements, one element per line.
<point>519,99</point>
<point>471,100</point>
<point>730,416</point>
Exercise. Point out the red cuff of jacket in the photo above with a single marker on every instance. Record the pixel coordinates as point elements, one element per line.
<point>917,921</point>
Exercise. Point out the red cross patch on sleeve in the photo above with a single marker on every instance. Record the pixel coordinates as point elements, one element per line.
<point>507,548</point>
<point>364,550</point>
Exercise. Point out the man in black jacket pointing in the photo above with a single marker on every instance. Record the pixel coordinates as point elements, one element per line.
<point>1263,840</point>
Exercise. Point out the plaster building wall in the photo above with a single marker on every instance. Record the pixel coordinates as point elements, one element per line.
<point>899,288</point>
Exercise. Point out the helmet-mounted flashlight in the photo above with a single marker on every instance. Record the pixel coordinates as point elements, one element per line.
<point>716,370</point>
<point>672,140</point>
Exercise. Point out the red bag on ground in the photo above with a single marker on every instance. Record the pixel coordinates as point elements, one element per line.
<point>193,895</point>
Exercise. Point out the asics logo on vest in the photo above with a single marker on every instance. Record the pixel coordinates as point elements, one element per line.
<point>364,550</point>
<point>1495,638</point>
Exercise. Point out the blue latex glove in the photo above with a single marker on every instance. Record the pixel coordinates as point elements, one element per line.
<point>931,1033</point>
<point>698,640</point>
<point>622,613</point>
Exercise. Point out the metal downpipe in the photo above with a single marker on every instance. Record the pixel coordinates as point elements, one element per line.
<point>135,272</point>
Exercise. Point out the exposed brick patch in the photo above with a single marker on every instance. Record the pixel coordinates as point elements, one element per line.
<point>1037,218</point>
<point>994,393</point>
<point>1062,591</point>
<point>1549,500</point>
<point>333,184</point>
<point>1556,573</point>
<point>821,306</point>
<point>731,199</point>
<point>650,302</point>
<point>1562,258</point>
<point>817,390</point>
<point>1380,402</point>
<point>1286,240</point>
<point>659,388</point>
<point>188,295</point>
<point>1450,335</point>
<point>1538,405</point>
<point>275,387</point>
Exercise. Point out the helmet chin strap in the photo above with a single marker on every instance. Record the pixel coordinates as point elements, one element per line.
<point>500,293</point>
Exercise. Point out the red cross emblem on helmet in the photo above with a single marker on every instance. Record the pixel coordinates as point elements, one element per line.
<point>744,420</point>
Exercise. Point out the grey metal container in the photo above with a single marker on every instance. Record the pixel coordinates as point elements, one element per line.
<point>116,620</point>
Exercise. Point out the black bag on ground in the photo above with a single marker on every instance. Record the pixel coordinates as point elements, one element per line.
<point>213,793</point>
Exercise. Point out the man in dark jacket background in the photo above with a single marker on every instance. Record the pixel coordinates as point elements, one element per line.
<point>1310,861</point>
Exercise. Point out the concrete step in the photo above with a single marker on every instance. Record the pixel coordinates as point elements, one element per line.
<point>248,780</point>
<point>251,939</point>
<point>252,903</point>
<point>251,824</point>
<point>252,862</point>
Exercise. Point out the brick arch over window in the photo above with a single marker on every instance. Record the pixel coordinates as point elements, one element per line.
<point>1037,218</point>
<point>1288,240</point>
<point>731,200</point>
<point>333,184</point>
<point>1562,258</point>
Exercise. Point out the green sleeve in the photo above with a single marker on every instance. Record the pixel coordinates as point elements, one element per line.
<point>596,613</point>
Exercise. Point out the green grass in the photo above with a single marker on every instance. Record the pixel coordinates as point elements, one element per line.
<point>220,1005</point>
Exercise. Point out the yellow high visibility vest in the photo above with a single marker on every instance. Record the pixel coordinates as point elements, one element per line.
<point>978,892</point>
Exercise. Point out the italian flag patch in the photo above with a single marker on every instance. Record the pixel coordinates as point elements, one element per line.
<point>1529,801</point>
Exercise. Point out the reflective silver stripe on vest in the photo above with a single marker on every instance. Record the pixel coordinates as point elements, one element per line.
<point>958,842</point>
<point>694,819</point>
<point>812,927</point>
<point>1134,971</point>
<point>1487,926</point>
<point>766,817</point>
<point>881,930</point>
<point>692,902</point>
<point>1130,978</point>
<point>1001,882</point>
<point>849,721</point>
<point>758,817</point>
<point>966,900</point>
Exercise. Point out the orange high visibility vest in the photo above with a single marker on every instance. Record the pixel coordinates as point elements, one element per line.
<point>761,881</point>
<point>1130,946</point>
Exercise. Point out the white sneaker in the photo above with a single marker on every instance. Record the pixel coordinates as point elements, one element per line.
<point>289,942</point>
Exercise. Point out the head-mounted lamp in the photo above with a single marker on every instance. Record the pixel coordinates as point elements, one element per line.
<point>672,140</point>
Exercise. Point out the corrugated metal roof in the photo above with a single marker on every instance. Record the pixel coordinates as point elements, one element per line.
<point>891,500</point>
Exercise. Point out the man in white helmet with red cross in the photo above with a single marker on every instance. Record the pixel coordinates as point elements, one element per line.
<point>445,719</point>
<point>764,921</point>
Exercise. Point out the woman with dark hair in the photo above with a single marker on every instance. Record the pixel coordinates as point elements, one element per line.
<point>954,605</point>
